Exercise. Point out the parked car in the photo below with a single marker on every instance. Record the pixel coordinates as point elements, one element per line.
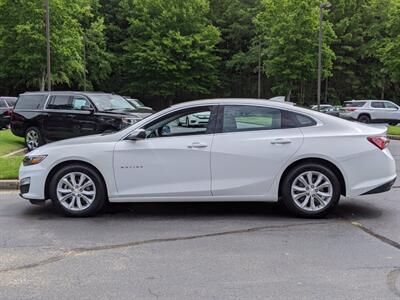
<point>139,106</point>
<point>250,150</point>
<point>328,109</point>
<point>197,119</point>
<point>6,106</point>
<point>371,111</point>
<point>43,117</point>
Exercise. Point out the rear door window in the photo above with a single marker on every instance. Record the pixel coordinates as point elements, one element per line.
<point>376,104</point>
<point>61,102</point>
<point>31,102</point>
<point>238,118</point>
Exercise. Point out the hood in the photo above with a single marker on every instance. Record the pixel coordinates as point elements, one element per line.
<point>124,113</point>
<point>83,140</point>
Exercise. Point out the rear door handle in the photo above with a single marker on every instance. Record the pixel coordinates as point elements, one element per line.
<point>281,142</point>
<point>197,145</point>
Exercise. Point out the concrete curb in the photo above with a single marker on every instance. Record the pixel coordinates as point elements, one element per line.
<point>15,152</point>
<point>394,137</point>
<point>8,184</point>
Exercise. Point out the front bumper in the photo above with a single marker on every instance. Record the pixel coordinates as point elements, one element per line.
<point>34,190</point>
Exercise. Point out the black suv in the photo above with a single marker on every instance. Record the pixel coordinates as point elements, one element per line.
<point>6,106</point>
<point>43,117</point>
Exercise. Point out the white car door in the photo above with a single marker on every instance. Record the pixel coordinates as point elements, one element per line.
<point>172,161</point>
<point>253,145</point>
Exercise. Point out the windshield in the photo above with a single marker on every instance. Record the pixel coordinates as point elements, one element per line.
<point>108,102</point>
<point>137,102</point>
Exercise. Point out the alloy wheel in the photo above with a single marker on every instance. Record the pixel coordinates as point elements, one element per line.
<point>32,139</point>
<point>76,191</point>
<point>312,191</point>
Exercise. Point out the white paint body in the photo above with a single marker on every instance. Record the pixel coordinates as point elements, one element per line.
<point>236,166</point>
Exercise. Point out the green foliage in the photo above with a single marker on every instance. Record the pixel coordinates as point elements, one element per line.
<point>23,44</point>
<point>183,49</point>
<point>288,31</point>
<point>170,48</point>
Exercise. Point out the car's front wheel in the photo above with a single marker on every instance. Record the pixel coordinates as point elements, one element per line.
<point>77,191</point>
<point>310,190</point>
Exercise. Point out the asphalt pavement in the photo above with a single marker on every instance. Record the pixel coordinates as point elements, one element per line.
<point>202,251</point>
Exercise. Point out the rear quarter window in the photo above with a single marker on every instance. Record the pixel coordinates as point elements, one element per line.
<point>304,121</point>
<point>31,102</point>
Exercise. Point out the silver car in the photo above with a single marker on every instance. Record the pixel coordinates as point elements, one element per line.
<point>371,111</point>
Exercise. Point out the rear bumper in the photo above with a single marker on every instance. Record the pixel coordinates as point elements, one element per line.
<point>381,189</point>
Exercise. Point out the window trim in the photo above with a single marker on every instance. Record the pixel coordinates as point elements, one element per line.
<point>220,119</point>
<point>211,125</point>
<point>74,111</point>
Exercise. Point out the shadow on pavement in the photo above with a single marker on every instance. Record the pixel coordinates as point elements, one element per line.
<point>346,209</point>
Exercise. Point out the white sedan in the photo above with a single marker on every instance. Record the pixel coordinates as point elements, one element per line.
<point>249,150</point>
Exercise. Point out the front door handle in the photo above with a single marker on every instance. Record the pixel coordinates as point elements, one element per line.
<point>281,142</point>
<point>197,145</point>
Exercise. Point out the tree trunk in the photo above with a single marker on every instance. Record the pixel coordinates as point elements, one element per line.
<point>288,95</point>
<point>42,82</point>
<point>383,92</point>
<point>326,90</point>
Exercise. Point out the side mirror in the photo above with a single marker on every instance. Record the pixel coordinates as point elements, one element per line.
<point>138,134</point>
<point>87,108</point>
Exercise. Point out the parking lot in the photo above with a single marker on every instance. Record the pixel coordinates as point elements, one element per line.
<point>202,251</point>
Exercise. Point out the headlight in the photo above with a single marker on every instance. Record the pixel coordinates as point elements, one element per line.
<point>33,160</point>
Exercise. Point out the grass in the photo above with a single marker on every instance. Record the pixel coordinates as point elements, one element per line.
<point>9,142</point>
<point>9,167</point>
<point>393,130</point>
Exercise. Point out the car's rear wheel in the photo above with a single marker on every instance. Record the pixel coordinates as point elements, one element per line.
<point>364,119</point>
<point>77,191</point>
<point>33,138</point>
<point>310,190</point>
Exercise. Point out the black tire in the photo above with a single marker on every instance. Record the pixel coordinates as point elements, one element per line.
<point>29,144</point>
<point>289,180</point>
<point>364,119</point>
<point>100,195</point>
<point>393,123</point>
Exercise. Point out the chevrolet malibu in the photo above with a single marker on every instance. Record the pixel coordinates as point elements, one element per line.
<point>248,150</point>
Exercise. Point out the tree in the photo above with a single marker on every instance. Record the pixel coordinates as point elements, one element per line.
<point>234,18</point>
<point>170,49</point>
<point>289,31</point>
<point>22,42</point>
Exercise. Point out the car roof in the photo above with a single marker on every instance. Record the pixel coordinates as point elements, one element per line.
<point>217,101</point>
<point>66,92</point>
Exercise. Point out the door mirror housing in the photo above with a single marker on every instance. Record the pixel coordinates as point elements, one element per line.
<point>88,108</point>
<point>138,134</point>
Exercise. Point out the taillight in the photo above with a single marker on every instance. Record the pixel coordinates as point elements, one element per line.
<point>8,112</point>
<point>380,141</point>
<point>351,109</point>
